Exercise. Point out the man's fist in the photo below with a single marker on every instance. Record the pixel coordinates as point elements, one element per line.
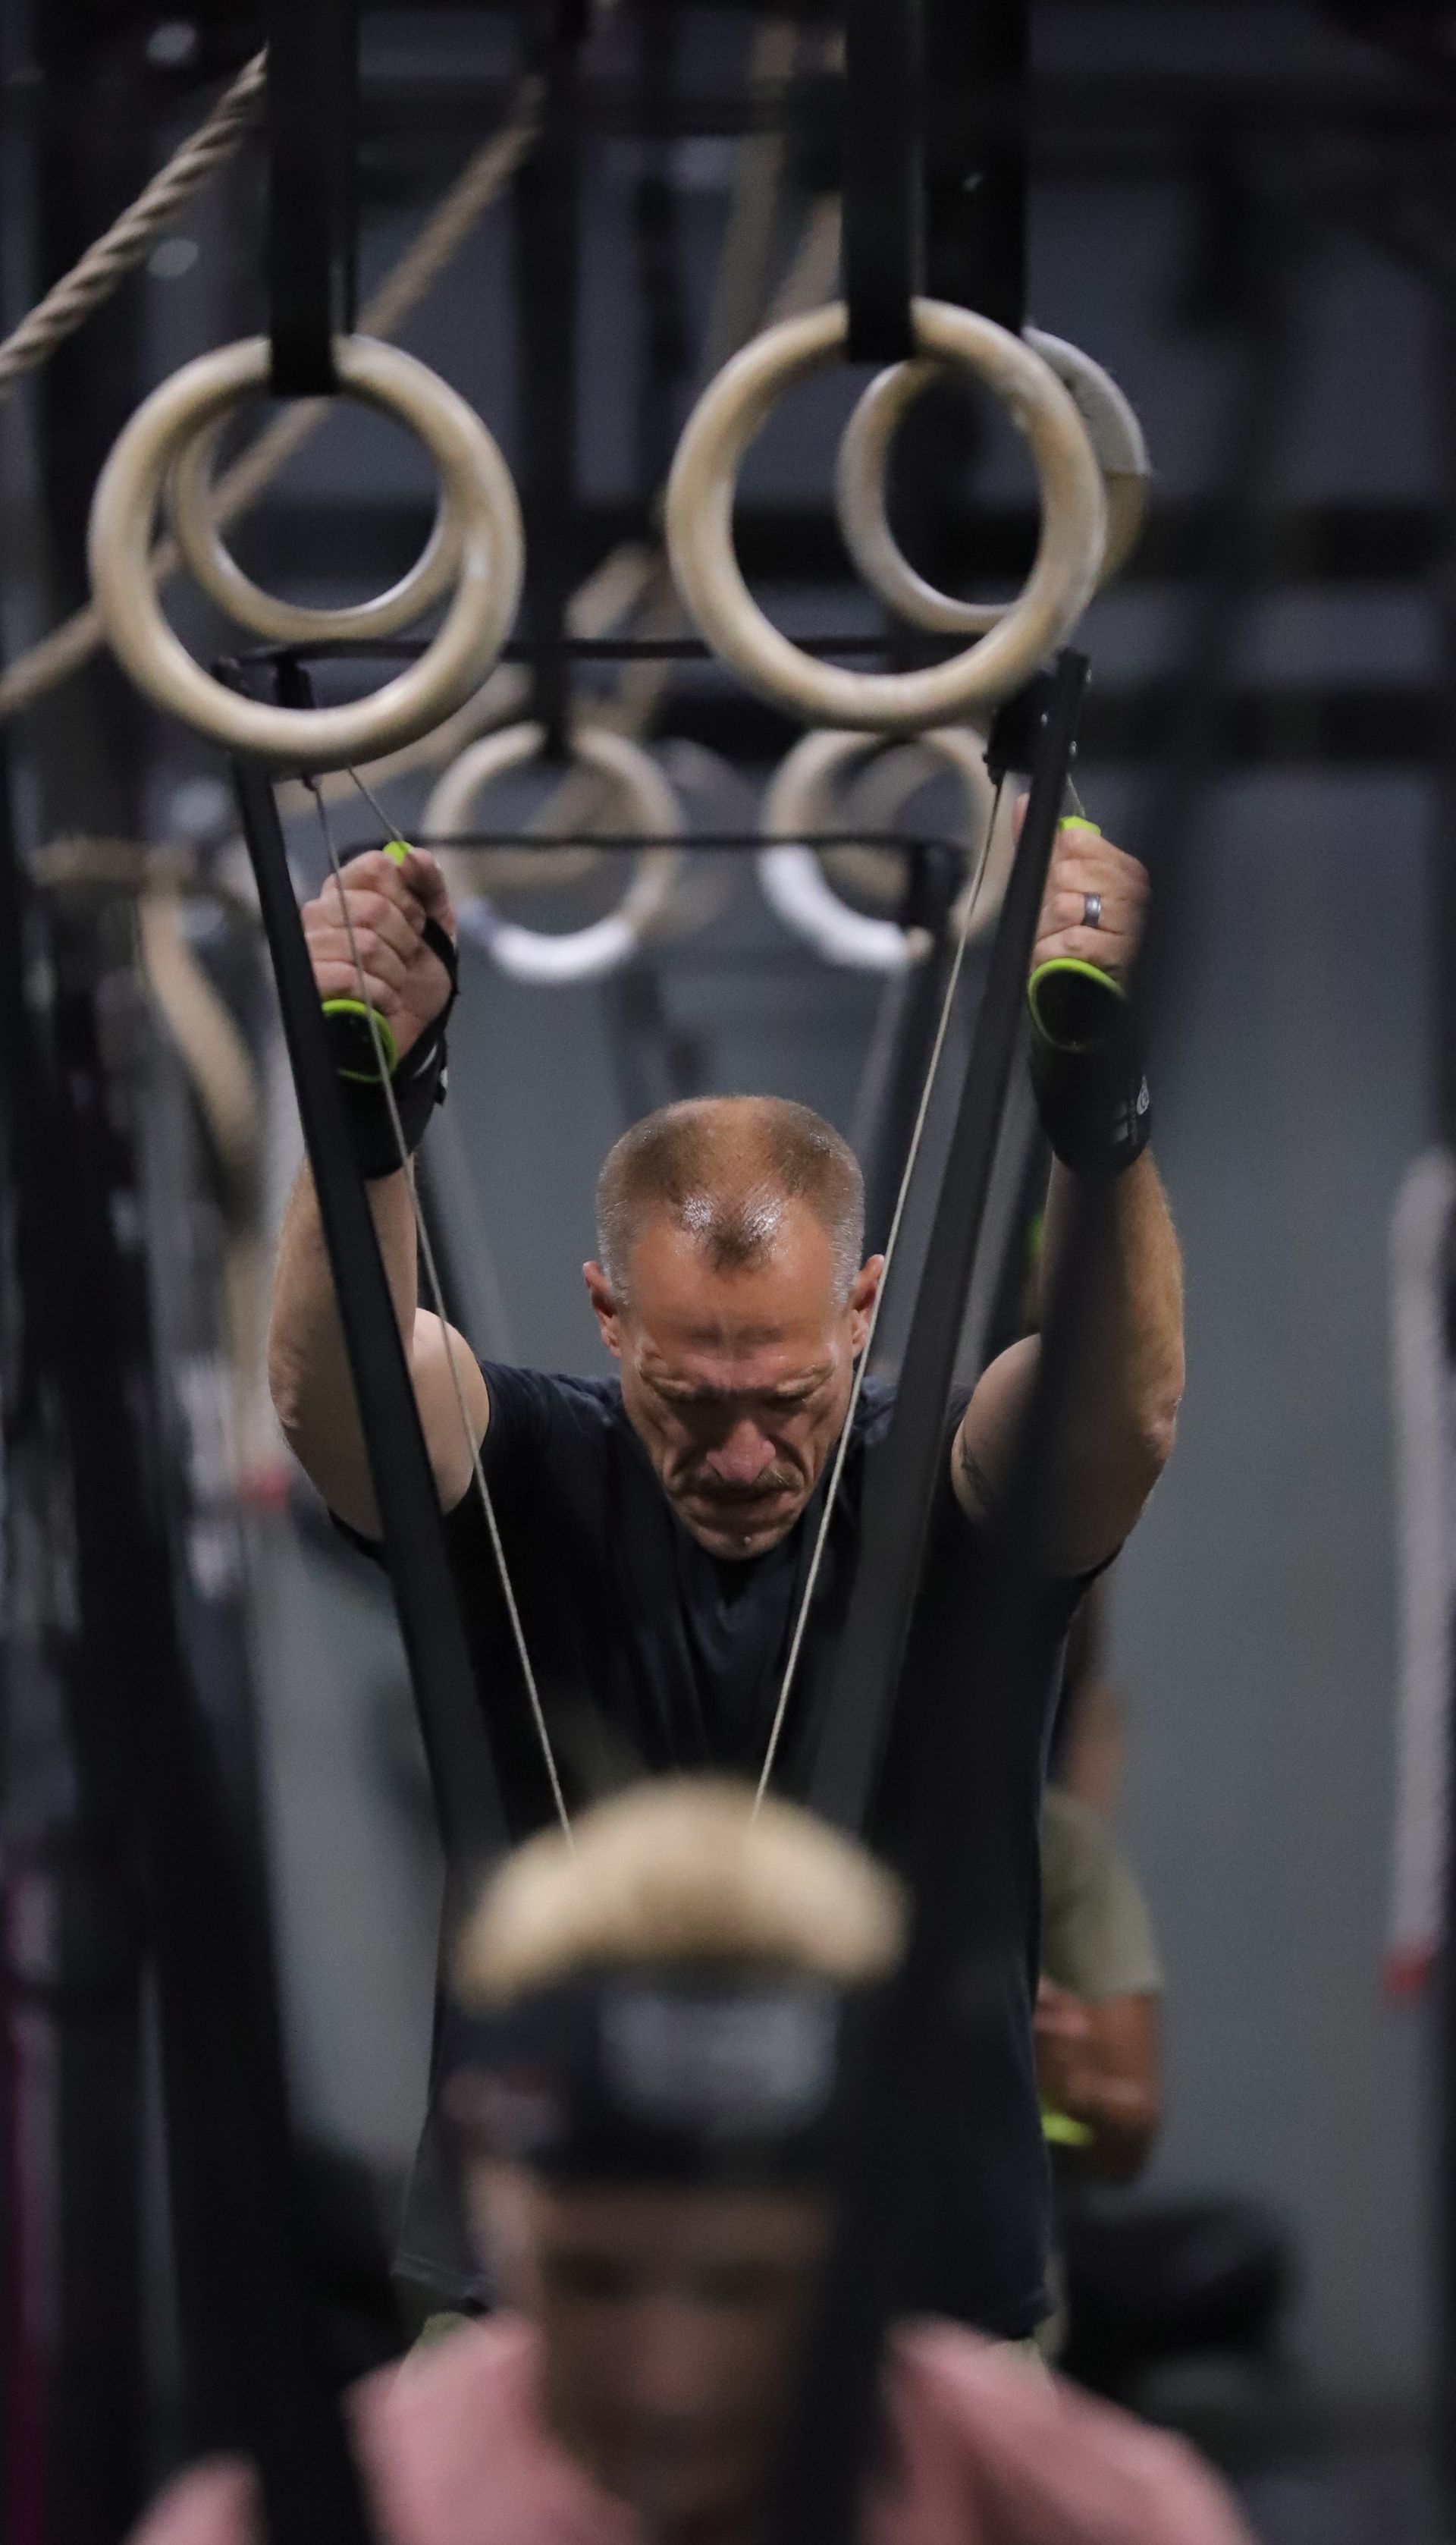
<point>1084,863</point>
<point>1063,2029</point>
<point>389,906</point>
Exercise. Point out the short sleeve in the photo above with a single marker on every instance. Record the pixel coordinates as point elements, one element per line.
<point>1097,1933</point>
<point>528,1412</point>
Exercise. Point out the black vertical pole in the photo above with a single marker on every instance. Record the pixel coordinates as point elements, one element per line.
<point>71,1866</point>
<point>899,1489</point>
<point>254,2356</point>
<point>928,901</point>
<point>664,356</point>
<point>468,1798</point>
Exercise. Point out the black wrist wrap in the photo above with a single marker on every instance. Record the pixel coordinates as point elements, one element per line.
<point>1087,1071</point>
<point>418,1083</point>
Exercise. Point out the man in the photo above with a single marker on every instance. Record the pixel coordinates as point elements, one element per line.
<point>647,2104</point>
<point>658,1526</point>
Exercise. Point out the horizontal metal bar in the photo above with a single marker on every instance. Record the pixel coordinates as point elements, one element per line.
<point>292,539</point>
<point>1336,726</point>
<point>904,843</point>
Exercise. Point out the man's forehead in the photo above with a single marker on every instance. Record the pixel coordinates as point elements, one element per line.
<point>718,1339</point>
<point>790,1284</point>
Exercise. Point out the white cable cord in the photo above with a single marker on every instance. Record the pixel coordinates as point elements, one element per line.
<point>437,1296</point>
<point>947,1004</point>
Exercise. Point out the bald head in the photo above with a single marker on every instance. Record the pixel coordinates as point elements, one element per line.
<point>724,1170</point>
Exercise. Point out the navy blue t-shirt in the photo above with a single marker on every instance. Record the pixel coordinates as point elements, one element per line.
<point>651,1654</point>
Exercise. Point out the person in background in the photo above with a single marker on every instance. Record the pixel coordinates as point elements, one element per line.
<point>1145,2283</point>
<point>645,2094</point>
<point>1096,2008</point>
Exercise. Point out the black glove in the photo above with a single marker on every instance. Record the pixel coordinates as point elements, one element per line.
<point>419,1081</point>
<point>1086,1068</point>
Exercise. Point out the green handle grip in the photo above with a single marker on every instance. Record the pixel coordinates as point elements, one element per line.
<point>350,1040</point>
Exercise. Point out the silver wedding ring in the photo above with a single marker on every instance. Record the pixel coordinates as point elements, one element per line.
<point>1092,910</point>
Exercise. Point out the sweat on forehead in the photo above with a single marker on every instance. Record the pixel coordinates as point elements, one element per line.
<point>726,1168</point>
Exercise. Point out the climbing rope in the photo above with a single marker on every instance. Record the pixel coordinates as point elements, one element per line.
<point>77,638</point>
<point>109,259</point>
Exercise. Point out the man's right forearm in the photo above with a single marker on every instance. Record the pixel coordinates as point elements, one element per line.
<point>307,1365</point>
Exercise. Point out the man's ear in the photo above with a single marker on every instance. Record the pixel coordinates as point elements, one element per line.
<point>862,1296</point>
<point>604,1308</point>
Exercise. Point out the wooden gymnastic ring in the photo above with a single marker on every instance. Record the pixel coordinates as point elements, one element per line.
<point>213,567</point>
<point>475,484</point>
<point>793,881</point>
<point>1112,428</point>
<point>580,953</point>
<point>710,584</point>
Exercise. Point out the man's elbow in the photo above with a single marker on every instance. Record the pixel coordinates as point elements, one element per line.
<point>1158,1429</point>
<point>1156,1413</point>
<point>286,1387</point>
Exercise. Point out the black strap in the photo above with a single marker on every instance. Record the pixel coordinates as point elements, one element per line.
<point>901,1476</point>
<point>883,181</point>
<point>976,81</point>
<point>467,1796</point>
<point>312,115</point>
<point>548,264</point>
<point>255,2364</point>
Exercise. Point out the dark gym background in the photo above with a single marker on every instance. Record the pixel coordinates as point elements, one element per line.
<point>1214,187</point>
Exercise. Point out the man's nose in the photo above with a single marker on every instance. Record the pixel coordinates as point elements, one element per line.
<point>741,1457</point>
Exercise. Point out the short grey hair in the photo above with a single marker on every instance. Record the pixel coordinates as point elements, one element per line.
<point>724,1168</point>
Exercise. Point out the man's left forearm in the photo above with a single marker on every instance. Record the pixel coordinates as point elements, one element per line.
<point>1120,1425</point>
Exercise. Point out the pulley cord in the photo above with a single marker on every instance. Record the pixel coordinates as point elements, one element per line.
<point>437,1297</point>
<point>947,1004</point>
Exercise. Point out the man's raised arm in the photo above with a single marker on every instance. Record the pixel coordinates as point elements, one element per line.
<point>307,1366</point>
<point>1118,1433</point>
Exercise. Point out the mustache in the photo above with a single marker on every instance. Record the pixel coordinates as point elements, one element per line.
<point>775,1479</point>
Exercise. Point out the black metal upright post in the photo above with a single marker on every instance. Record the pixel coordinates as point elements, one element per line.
<point>898,1491</point>
<point>664,351</point>
<point>457,1749</point>
<point>892,2070</point>
<point>928,904</point>
<point>257,2375</point>
<point>76,1934</point>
